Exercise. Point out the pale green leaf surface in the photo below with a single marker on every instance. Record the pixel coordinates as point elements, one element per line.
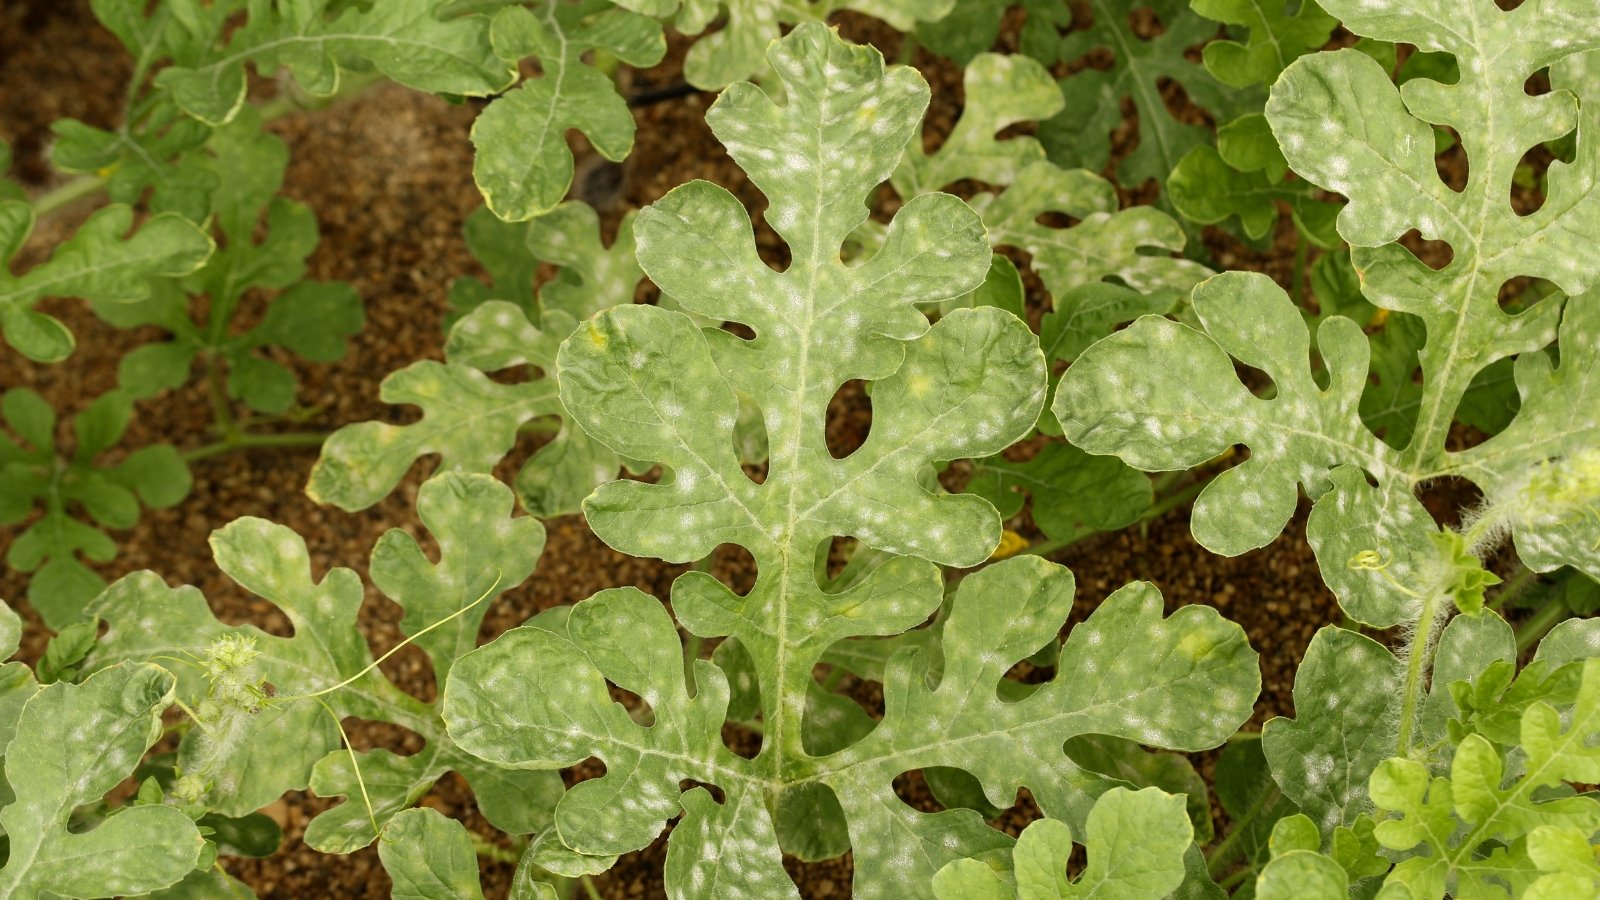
<point>1189,406</point>
<point>74,743</point>
<point>249,761</point>
<point>470,420</point>
<point>1000,91</point>
<point>104,260</point>
<point>1134,245</point>
<point>653,386</point>
<point>405,40</point>
<point>429,857</point>
<point>736,50</point>
<point>523,166</point>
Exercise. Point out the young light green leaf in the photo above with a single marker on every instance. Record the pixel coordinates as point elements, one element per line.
<point>653,386</point>
<point>429,856</point>
<point>75,742</point>
<point>1277,38</point>
<point>104,260</point>
<point>523,166</point>
<point>34,472</point>
<point>252,749</point>
<point>318,40</point>
<point>1135,841</point>
<point>1491,803</point>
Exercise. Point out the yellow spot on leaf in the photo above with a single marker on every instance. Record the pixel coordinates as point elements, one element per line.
<point>1379,317</point>
<point>1011,544</point>
<point>597,337</point>
<point>1196,644</point>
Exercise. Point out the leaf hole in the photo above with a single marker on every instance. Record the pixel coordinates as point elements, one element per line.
<point>1176,99</point>
<point>1530,179</point>
<point>839,551</point>
<point>1508,5</point>
<point>1145,24</point>
<point>1450,158</point>
<point>1436,255</point>
<point>1520,294</point>
<point>637,708</point>
<point>913,790</point>
<point>688,784</point>
<point>1538,84</point>
<point>849,419</point>
<point>741,740</point>
<point>518,374</point>
<point>1053,219</point>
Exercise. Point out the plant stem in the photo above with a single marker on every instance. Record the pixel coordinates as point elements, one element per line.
<point>589,887</point>
<point>242,441</point>
<point>77,188</point>
<point>1416,666</point>
<point>1225,852</point>
<point>1237,877</point>
<point>492,851</point>
<point>1514,587</point>
<point>1298,290</point>
<point>221,408</point>
<point>1546,617</point>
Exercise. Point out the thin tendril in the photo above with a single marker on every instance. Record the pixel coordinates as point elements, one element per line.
<point>398,647</point>
<point>355,764</point>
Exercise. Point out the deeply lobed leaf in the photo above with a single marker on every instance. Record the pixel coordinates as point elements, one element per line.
<point>653,385</point>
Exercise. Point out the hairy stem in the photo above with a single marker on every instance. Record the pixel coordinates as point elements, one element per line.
<point>1417,658</point>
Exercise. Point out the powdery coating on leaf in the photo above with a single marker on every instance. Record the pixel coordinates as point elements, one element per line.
<point>472,421</point>
<point>1344,693</point>
<point>74,743</point>
<point>1344,126</point>
<point>740,48</point>
<point>403,39</point>
<point>291,742</point>
<point>653,386</point>
<point>523,166</point>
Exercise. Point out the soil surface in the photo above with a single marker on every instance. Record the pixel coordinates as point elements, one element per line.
<point>388,175</point>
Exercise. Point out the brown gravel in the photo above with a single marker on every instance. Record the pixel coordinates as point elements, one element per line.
<point>387,175</point>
